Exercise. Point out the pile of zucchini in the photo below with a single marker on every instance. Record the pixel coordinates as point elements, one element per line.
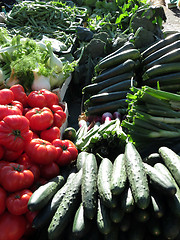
<point>124,198</point>
<point>161,64</point>
<point>114,75</point>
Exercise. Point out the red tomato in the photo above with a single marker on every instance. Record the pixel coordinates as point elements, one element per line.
<point>10,155</point>
<point>31,215</point>
<point>14,132</point>
<point>42,98</point>
<point>15,177</point>
<point>59,115</point>
<point>6,110</point>
<point>40,119</point>
<point>3,196</point>
<point>12,227</point>
<point>17,202</point>
<point>17,104</point>
<point>25,161</point>
<point>6,96</point>
<point>50,134</point>
<point>19,94</point>
<point>67,151</point>
<point>1,152</point>
<point>50,170</point>
<point>41,151</point>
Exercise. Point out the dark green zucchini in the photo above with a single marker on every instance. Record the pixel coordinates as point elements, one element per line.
<point>104,222</point>
<point>126,46</point>
<point>89,186</point>
<point>44,193</point>
<point>66,208</point>
<point>106,97</point>
<point>119,58</point>
<point>159,53</point>
<point>125,67</point>
<point>137,176</point>
<point>121,86</point>
<point>161,70</point>
<point>125,223</point>
<point>172,161</point>
<point>106,107</point>
<point>169,57</point>
<point>174,88</point>
<point>160,44</point>
<point>141,215</point>
<point>44,216</point>
<point>159,181</point>
<point>96,87</point>
<point>169,79</point>
<point>114,233</point>
<point>119,176</point>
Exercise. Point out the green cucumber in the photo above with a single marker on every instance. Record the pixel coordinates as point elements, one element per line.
<point>89,186</point>
<point>160,44</point>
<point>152,158</point>
<point>114,233</point>
<point>161,69</point>
<point>172,161</point>
<point>80,224</point>
<point>104,182</point>
<point>117,214</point>
<point>136,232</point>
<point>119,58</point>
<point>66,209</point>
<point>106,107</point>
<point>154,226</point>
<point>159,53</point>
<point>141,215</point>
<point>137,176</point>
<point>157,203</point>
<point>44,193</point>
<point>120,86</point>
<point>81,159</point>
<point>169,57</point>
<point>104,223</point>
<point>170,226</point>
<point>127,200</point>
<point>119,176</point>
<point>45,215</point>
<point>159,181</point>
<point>174,201</point>
<point>94,88</point>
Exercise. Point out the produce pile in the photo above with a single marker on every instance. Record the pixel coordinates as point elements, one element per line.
<point>31,153</point>
<point>115,176</point>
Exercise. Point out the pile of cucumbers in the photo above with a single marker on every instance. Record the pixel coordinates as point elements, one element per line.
<point>161,64</point>
<point>114,75</point>
<point>124,198</point>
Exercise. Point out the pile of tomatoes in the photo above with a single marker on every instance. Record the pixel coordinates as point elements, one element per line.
<point>31,153</point>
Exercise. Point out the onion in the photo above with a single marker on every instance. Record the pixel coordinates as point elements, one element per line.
<point>107,116</point>
<point>117,115</point>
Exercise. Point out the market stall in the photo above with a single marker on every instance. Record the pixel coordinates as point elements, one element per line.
<point>90,121</point>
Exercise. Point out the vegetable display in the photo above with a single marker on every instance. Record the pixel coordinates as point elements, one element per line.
<point>91,207</point>
<point>28,159</point>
